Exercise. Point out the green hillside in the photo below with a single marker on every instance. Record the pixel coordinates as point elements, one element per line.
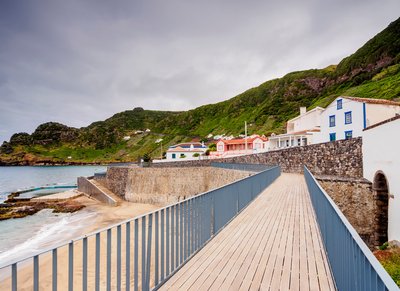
<point>372,71</point>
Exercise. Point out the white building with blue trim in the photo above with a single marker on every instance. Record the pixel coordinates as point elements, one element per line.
<point>186,151</point>
<point>347,117</point>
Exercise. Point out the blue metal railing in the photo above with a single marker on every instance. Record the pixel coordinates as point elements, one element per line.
<point>141,253</point>
<point>242,167</point>
<point>353,265</point>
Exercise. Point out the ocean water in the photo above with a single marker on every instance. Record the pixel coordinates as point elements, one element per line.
<point>20,238</point>
<point>19,178</point>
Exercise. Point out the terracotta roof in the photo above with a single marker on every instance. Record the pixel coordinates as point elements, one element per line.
<point>242,140</point>
<point>383,122</point>
<point>372,101</point>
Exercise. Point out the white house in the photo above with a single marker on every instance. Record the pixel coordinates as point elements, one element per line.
<point>186,151</point>
<point>346,117</point>
<point>381,165</point>
<point>299,130</point>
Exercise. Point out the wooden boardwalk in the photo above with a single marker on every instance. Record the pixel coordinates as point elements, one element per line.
<point>274,244</point>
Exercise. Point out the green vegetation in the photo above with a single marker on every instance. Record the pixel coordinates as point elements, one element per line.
<point>372,71</point>
<point>390,260</point>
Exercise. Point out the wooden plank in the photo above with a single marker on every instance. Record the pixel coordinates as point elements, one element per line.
<point>304,280</point>
<point>274,244</point>
<point>194,270</point>
<point>215,245</point>
<point>295,263</point>
<point>221,265</point>
<point>261,251</point>
<point>284,283</point>
<point>265,271</point>
<point>324,274</point>
<point>234,278</point>
<point>281,253</point>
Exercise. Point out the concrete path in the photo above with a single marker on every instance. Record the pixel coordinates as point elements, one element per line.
<point>58,196</point>
<point>274,244</point>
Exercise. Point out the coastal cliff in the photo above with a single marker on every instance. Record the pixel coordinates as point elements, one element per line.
<point>373,71</point>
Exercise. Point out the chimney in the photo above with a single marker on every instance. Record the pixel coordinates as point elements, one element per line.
<point>303,110</point>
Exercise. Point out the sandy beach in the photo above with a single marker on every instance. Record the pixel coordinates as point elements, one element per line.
<point>104,217</point>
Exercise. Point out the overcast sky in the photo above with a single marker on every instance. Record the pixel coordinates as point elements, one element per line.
<point>76,62</point>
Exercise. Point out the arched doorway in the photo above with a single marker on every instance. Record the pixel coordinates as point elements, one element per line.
<point>381,194</point>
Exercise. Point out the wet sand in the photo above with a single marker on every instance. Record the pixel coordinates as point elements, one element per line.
<point>105,216</point>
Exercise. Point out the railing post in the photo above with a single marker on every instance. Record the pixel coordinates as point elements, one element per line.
<point>36,273</point>
<point>97,271</point>
<point>54,270</point>
<point>128,256</point>
<point>212,215</point>
<point>71,266</point>
<point>14,277</point>
<point>84,264</point>
<point>119,258</point>
<point>136,256</point>
<point>148,255</point>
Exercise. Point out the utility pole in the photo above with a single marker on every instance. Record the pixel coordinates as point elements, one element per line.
<point>245,135</point>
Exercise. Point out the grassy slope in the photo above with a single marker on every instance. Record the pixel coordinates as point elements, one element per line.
<point>372,71</point>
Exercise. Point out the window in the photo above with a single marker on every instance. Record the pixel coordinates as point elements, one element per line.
<point>339,104</point>
<point>347,118</point>
<point>348,134</point>
<point>174,156</point>
<point>332,121</point>
<point>332,136</point>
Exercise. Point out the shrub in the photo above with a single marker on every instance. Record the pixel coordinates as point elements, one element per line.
<point>146,157</point>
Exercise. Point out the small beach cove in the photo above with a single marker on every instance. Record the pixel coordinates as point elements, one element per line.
<point>24,237</point>
<point>52,230</point>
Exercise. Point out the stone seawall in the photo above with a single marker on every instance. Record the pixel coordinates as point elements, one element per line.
<point>355,199</point>
<point>167,185</point>
<point>341,158</point>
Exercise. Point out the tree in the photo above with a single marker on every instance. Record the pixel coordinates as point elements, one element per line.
<point>6,148</point>
<point>212,147</point>
<point>146,158</point>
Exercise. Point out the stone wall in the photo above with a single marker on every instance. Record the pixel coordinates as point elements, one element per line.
<point>355,199</point>
<point>341,158</point>
<point>167,185</point>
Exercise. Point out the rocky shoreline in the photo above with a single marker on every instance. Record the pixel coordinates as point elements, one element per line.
<point>15,207</point>
<point>49,163</point>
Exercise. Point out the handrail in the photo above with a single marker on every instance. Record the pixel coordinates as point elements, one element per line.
<point>353,265</point>
<point>241,166</point>
<point>169,237</point>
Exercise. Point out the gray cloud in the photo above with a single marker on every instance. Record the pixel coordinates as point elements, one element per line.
<point>80,61</point>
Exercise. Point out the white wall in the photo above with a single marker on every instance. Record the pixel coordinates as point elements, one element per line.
<point>309,120</point>
<point>381,153</point>
<point>356,126</point>
<point>377,112</point>
<point>189,156</point>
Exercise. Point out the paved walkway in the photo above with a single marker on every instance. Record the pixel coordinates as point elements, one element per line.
<point>274,244</point>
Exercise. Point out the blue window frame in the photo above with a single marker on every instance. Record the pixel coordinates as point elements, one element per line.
<point>348,134</point>
<point>348,118</point>
<point>174,156</point>
<point>332,136</point>
<point>339,104</point>
<point>332,121</point>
